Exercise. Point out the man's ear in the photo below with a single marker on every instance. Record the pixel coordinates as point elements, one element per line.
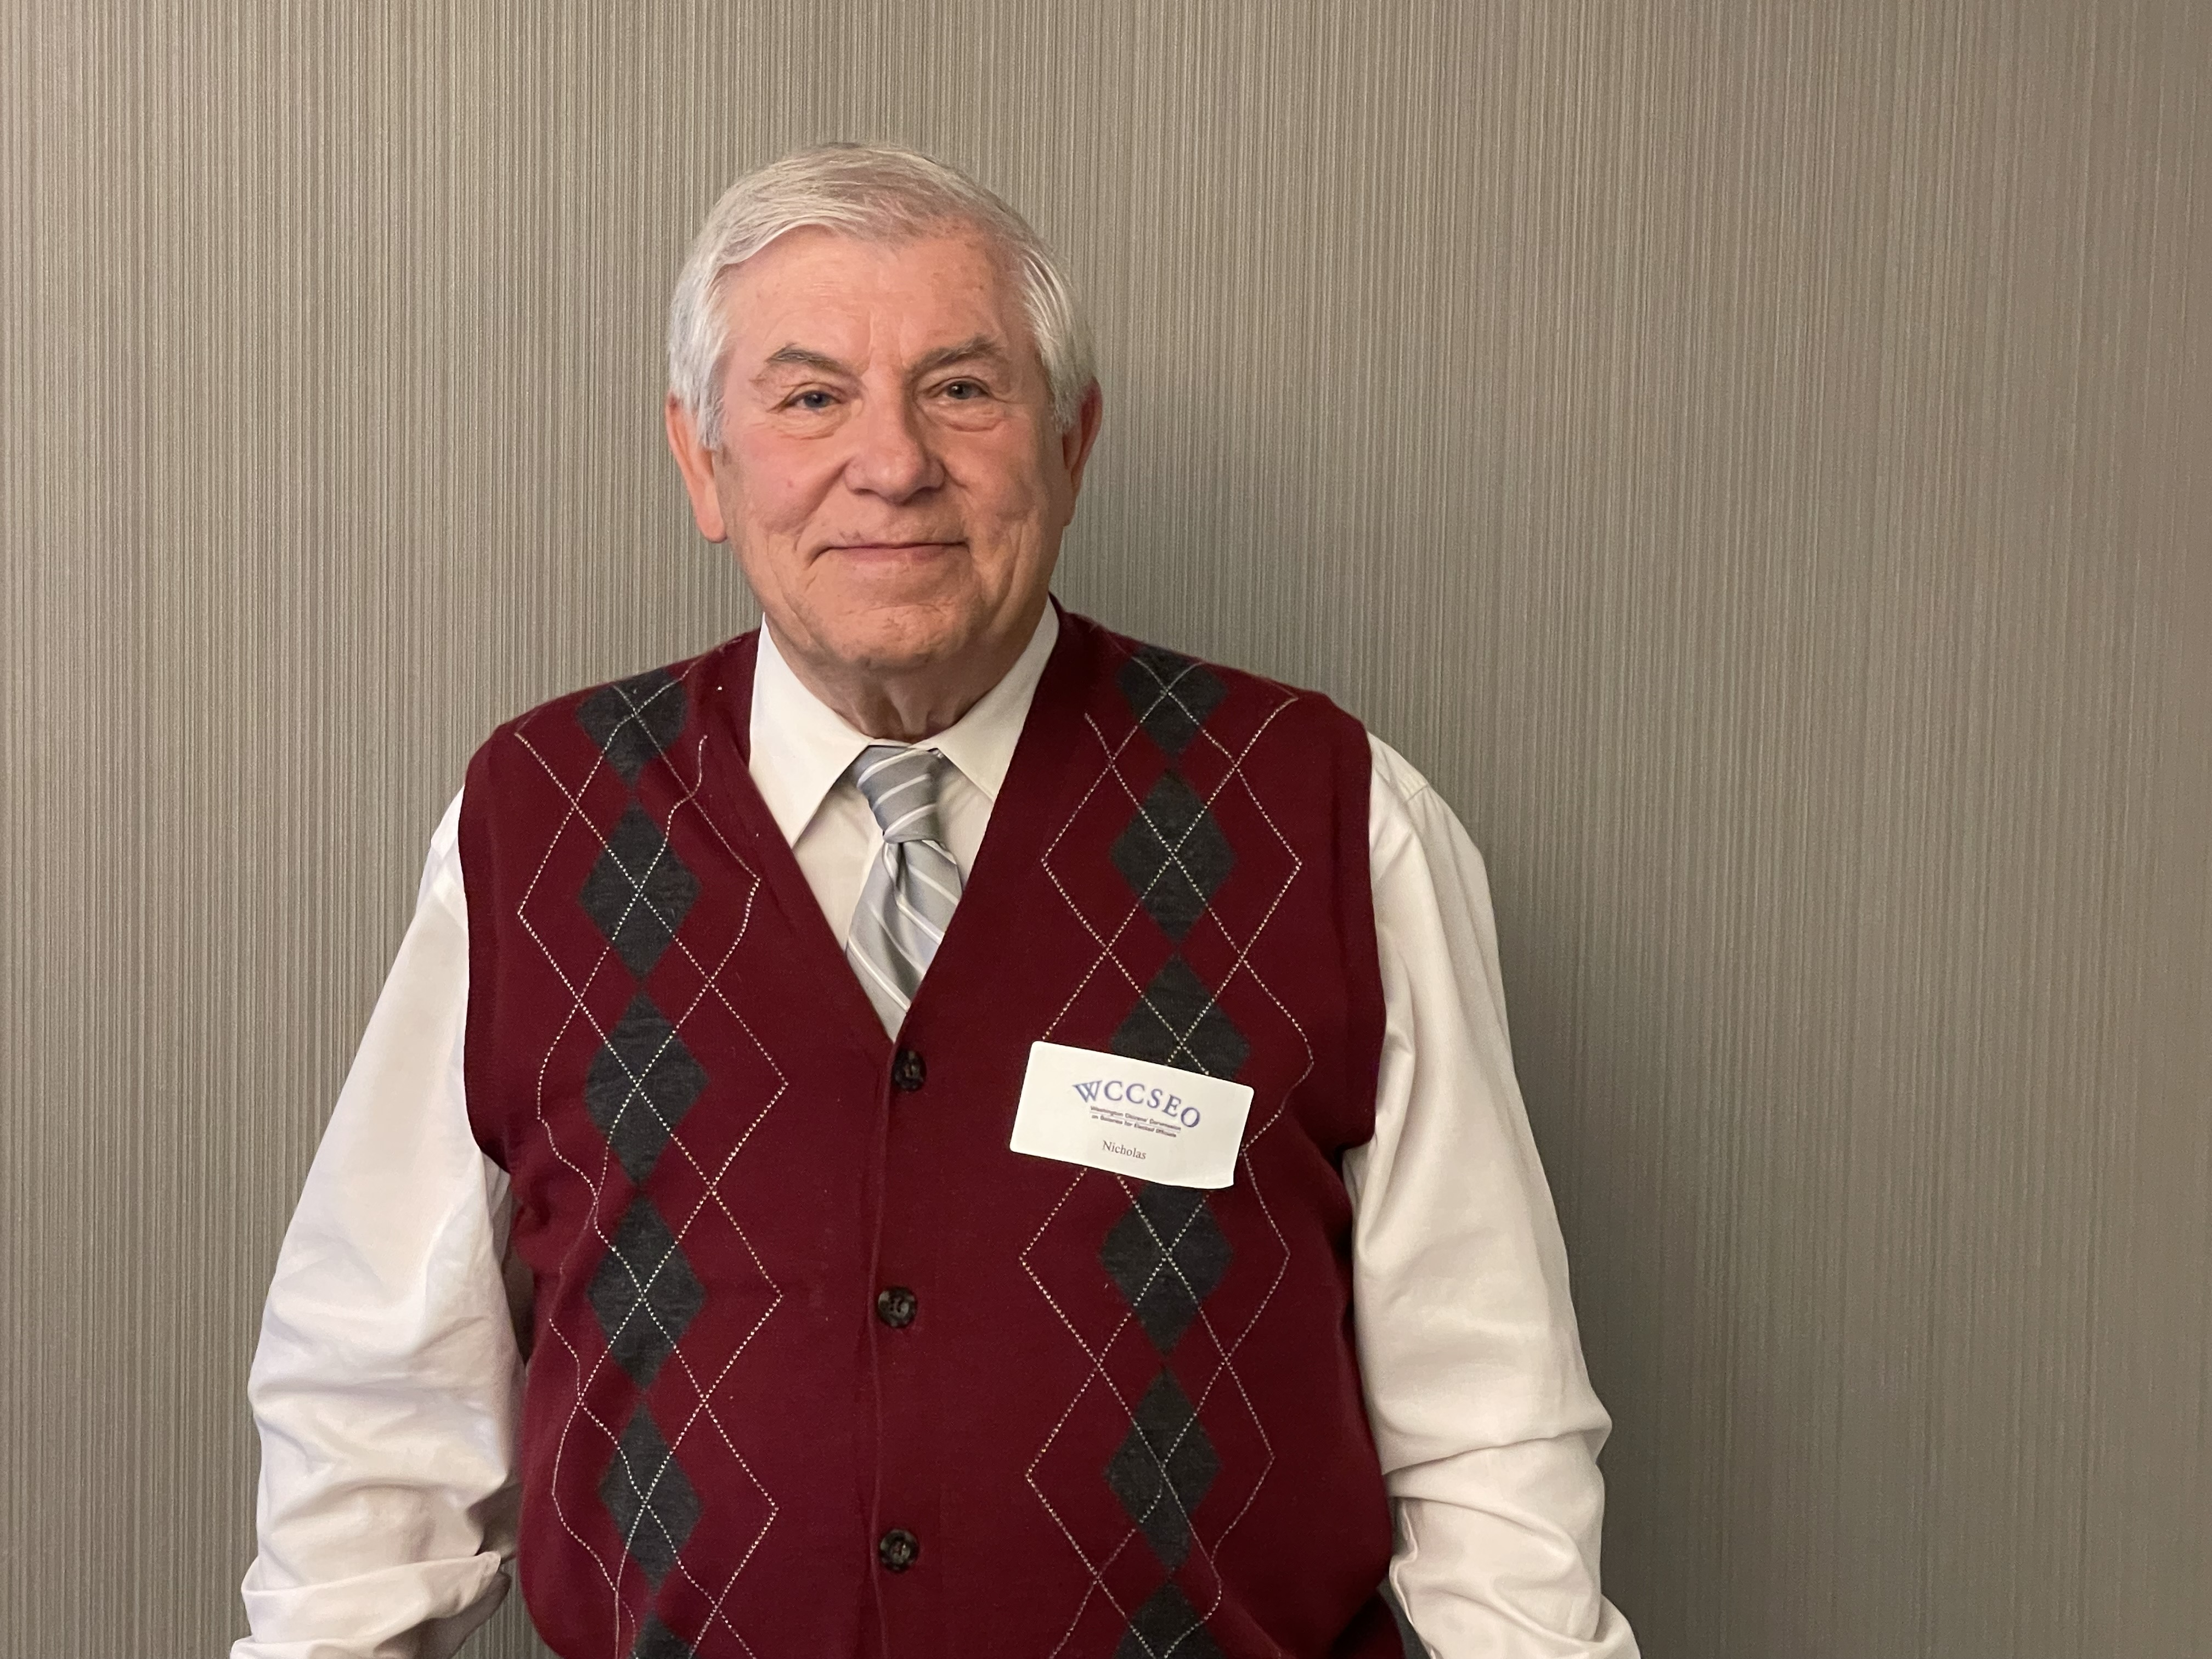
<point>1075,442</point>
<point>696,463</point>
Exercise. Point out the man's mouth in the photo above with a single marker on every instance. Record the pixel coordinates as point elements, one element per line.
<point>889,549</point>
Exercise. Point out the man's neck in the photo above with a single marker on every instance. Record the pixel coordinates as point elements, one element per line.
<point>910,707</point>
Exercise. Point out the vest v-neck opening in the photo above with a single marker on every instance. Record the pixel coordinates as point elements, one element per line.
<point>1010,843</point>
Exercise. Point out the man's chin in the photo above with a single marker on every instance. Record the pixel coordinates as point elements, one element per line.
<point>901,639</point>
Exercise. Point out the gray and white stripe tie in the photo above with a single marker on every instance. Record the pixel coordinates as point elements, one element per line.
<point>907,903</point>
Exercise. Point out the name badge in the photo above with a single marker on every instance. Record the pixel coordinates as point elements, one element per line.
<point>1155,1122</point>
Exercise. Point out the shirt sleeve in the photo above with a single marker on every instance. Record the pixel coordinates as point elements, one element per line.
<point>1483,1414</point>
<point>387,1382</point>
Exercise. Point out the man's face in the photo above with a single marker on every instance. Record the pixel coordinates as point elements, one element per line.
<point>890,473</point>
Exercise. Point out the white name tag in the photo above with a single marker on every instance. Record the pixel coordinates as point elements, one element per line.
<point>1154,1122</point>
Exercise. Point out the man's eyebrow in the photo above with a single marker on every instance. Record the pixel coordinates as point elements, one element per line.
<point>799,356</point>
<point>980,346</point>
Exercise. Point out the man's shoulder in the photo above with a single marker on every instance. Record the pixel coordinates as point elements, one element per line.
<point>1172,688</point>
<point>628,718</point>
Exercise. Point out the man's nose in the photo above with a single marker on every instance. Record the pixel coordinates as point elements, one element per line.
<point>892,456</point>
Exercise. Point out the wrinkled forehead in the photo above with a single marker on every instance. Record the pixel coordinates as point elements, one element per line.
<point>827,290</point>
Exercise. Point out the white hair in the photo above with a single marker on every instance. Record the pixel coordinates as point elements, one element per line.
<point>880,193</point>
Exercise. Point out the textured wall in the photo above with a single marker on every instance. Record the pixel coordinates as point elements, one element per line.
<point>1751,454</point>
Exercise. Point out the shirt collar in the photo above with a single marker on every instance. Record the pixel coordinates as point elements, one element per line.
<point>801,748</point>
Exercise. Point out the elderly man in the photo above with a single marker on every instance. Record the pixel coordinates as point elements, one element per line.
<point>994,1139</point>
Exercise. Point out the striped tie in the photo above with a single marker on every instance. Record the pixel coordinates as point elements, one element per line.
<point>907,900</point>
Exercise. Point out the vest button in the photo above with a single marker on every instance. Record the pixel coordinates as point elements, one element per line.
<point>896,1549</point>
<point>907,1071</point>
<point>896,1305</point>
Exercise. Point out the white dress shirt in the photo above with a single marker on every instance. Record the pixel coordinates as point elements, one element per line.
<point>387,1381</point>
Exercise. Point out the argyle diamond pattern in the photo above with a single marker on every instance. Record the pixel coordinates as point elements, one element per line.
<point>646,1492</point>
<point>1162,1468</point>
<point>1167,1626</point>
<point>1166,1255</point>
<point>638,893</point>
<point>1177,1023</point>
<point>1174,856</point>
<point>644,1293</point>
<point>640,1085</point>
<point>656,1641</point>
<point>634,719</point>
<point>1170,695</point>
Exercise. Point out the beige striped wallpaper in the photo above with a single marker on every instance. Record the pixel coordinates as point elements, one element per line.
<point>1751,454</point>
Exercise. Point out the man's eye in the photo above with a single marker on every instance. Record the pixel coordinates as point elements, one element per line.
<point>814,402</point>
<point>963,391</point>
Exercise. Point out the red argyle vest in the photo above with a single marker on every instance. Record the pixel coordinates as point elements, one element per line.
<point>820,1368</point>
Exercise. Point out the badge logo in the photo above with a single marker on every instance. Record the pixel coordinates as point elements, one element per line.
<point>1121,1092</point>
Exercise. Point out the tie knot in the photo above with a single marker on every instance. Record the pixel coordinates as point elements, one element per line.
<point>900,785</point>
